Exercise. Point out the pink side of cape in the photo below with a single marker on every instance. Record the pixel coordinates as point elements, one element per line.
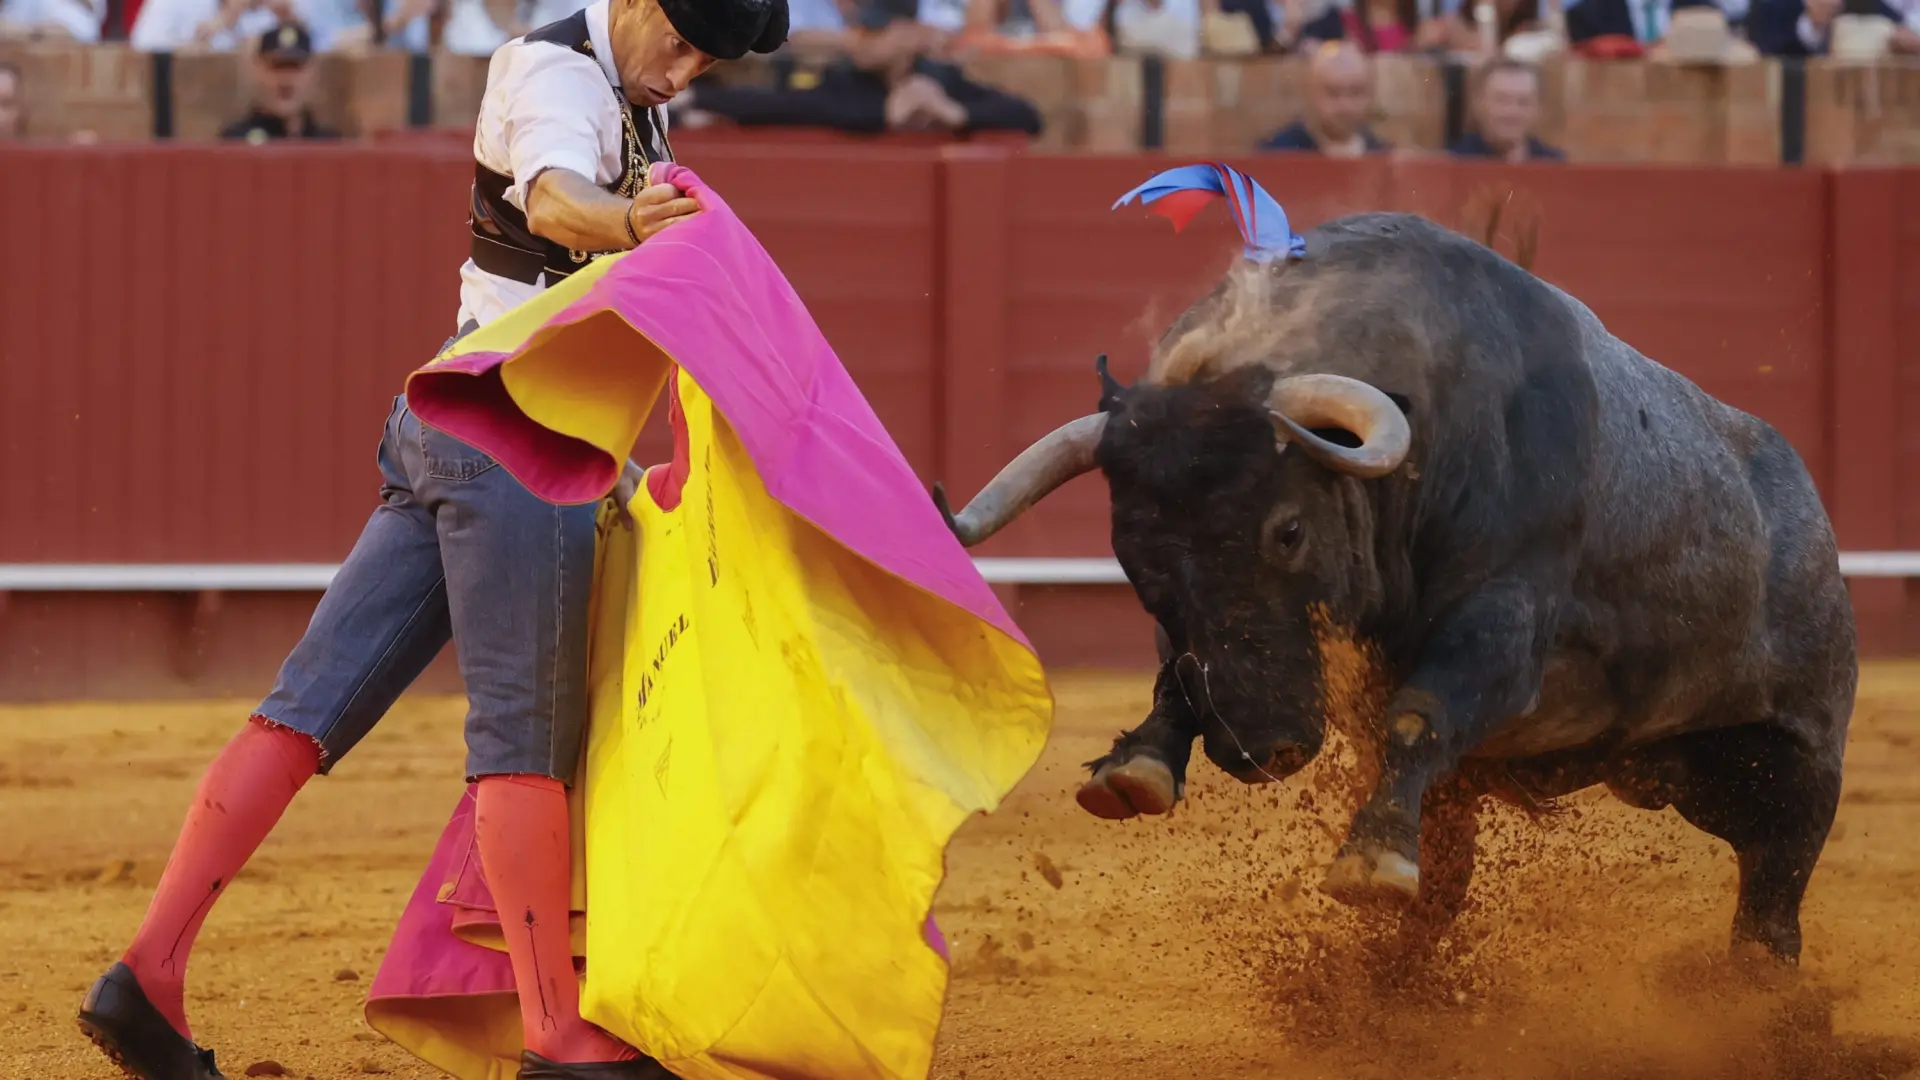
<point>711,298</point>
<point>426,959</point>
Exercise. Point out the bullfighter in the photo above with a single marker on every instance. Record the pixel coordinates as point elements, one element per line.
<point>573,118</point>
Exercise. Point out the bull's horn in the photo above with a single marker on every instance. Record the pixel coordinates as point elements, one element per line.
<point>1302,402</point>
<point>1063,454</point>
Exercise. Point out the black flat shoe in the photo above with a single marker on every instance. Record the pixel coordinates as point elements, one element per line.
<point>127,1028</point>
<point>535,1067</point>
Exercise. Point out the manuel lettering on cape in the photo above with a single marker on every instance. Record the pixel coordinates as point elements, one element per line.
<point>801,684</point>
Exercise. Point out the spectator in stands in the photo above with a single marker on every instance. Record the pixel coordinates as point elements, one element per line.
<point>225,25</point>
<point>222,25</point>
<point>470,29</point>
<point>1391,26</point>
<point>534,14</point>
<point>1510,18</point>
<point>178,25</point>
<point>1048,27</point>
<point>13,123</point>
<point>879,70</point>
<point>1166,28</point>
<point>1805,27</point>
<point>1339,100</point>
<point>283,76</point>
<point>404,24</point>
<point>1283,26</point>
<point>1632,27</point>
<point>1506,108</point>
<point>75,20</point>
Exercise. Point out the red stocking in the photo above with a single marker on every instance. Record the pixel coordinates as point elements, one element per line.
<point>240,798</point>
<point>521,826</point>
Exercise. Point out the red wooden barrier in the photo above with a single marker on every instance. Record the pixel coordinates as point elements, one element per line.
<point>1875,328</point>
<point>197,344</point>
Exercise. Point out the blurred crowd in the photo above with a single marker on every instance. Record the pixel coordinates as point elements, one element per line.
<point>900,65</point>
<point>892,73</point>
<point>1180,29</point>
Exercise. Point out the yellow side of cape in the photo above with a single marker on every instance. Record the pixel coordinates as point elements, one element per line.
<point>797,737</point>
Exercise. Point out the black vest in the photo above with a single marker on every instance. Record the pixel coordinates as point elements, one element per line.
<point>502,244</point>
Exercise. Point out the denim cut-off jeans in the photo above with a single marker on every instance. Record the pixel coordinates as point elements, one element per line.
<point>457,549</point>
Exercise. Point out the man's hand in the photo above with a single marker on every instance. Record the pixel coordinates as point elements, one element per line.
<point>1904,40</point>
<point>918,102</point>
<point>1822,12</point>
<point>624,489</point>
<point>657,207</point>
<point>569,209</point>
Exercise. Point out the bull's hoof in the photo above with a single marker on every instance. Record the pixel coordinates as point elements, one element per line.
<point>1140,785</point>
<point>1372,878</point>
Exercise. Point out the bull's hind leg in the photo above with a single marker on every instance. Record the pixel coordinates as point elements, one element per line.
<point>1146,771</point>
<point>1773,798</point>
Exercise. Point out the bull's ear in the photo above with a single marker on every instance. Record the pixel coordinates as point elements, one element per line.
<point>1111,392</point>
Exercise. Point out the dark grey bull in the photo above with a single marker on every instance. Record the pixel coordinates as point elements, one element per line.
<point>1570,565</point>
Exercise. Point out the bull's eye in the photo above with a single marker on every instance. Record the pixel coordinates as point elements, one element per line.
<point>1290,535</point>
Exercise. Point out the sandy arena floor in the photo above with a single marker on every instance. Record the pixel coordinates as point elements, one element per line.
<point>1193,948</point>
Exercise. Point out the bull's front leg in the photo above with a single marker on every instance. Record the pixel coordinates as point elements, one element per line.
<point>1482,665</point>
<point>1146,771</point>
<point>1449,831</point>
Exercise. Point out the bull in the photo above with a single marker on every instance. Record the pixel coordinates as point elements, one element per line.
<point>1568,565</point>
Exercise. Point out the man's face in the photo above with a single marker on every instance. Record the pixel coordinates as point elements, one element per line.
<point>654,63</point>
<point>1509,107</point>
<point>1340,93</point>
<point>9,105</point>
<point>284,82</point>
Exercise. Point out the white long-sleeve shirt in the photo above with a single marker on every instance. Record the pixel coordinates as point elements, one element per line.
<point>545,107</point>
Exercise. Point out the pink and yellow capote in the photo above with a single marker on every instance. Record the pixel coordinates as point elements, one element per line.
<point>801,685</point>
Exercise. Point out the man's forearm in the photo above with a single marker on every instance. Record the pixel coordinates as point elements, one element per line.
<point>571,210</point>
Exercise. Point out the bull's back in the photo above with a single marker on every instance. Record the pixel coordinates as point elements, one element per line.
<point>1706,558</point>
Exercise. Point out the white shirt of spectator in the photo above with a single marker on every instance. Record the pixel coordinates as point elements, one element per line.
<point>545,107</point>
<point>81,18</point>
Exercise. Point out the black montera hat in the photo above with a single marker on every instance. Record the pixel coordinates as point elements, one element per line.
<point>288,41</point>
<point>729,29</point>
